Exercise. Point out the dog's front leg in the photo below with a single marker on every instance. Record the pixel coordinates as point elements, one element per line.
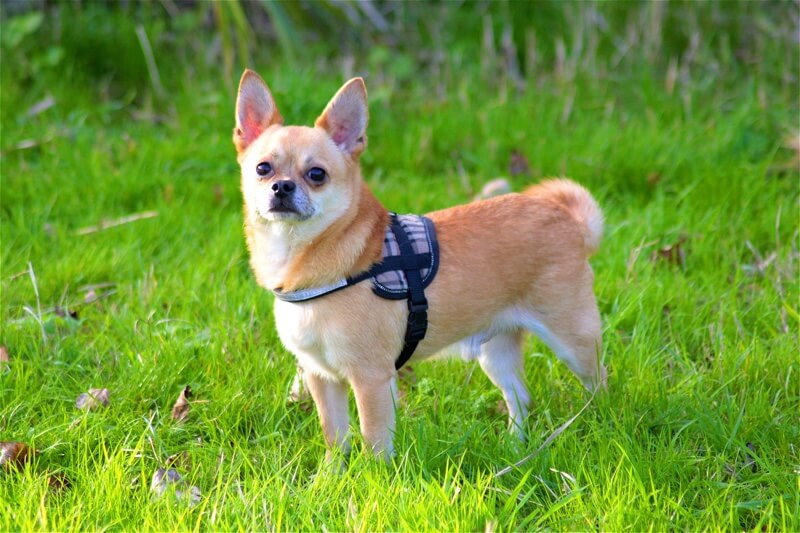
<point>330,398</point>
<point>375,398</point>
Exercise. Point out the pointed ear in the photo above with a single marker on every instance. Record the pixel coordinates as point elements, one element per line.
<point>255,110</point>
<point>345,118</point>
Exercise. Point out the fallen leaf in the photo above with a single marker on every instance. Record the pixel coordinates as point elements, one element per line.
<point>181,408</point>
<point>653,178</point>
<point>162,478</point>
<point>14,454</point>
<point>180,460</point>
<point>165,479</point>
<point>58,482</point>
<point>92,399</point>
<point>4,358</point>
<point>135,482</point>
<point>672,253</point>
<point>519,165</point>
<point>64,313</point>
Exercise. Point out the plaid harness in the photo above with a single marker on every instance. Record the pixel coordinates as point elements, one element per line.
<point>409,264</point>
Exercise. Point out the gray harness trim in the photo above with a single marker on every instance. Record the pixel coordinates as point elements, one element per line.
<point>309,294</point>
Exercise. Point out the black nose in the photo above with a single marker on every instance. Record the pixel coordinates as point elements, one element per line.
<point>283,188</point>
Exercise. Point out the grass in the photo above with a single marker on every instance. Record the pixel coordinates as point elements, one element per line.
<point>697,280</point>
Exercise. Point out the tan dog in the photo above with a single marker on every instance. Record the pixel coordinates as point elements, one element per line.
<point>508,264</point>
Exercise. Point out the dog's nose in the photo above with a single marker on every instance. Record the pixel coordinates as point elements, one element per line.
<point>283,188</point>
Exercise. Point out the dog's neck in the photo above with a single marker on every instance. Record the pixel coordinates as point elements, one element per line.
<point>285,259</point>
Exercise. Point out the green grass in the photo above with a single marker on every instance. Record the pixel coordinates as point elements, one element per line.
<point>699,428</point>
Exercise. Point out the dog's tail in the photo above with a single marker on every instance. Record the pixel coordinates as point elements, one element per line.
<point>578,202</point>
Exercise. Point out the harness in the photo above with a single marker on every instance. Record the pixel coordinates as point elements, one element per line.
<point>409,264</point>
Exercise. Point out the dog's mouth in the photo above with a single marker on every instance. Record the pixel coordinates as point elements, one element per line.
<point>283,206</point>
<point>282,209</point>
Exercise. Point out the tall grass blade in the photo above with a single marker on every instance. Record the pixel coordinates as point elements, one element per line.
<point>284,29</point>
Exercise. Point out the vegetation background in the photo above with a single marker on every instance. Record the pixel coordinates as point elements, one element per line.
<point>124,267</point>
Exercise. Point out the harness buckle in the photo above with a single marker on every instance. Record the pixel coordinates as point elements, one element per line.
<point>417,323</point>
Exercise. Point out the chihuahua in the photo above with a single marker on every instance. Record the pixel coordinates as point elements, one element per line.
<point>506,265</point>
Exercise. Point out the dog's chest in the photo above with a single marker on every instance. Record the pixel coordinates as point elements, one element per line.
<point>302,333</point>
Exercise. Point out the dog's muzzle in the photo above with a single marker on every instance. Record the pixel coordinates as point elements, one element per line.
<point>283,200</point>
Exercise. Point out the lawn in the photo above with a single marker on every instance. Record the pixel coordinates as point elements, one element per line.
<point>681,118</point>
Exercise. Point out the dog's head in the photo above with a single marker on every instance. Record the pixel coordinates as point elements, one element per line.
<point>298,175</point>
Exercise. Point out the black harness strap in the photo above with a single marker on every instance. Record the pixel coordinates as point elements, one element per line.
<point>417,303</point>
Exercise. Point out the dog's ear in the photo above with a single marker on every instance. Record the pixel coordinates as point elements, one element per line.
<point>345,117</point>
<point>255,110</point>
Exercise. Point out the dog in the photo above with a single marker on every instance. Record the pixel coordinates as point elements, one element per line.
<point>316,235</point>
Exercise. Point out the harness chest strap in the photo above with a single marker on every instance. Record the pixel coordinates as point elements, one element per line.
<point>411,264</point>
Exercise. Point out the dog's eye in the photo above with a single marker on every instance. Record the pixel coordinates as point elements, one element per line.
<point>316,175</point>
<point>263,169</point>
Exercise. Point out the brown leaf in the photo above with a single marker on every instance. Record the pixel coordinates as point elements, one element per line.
<point>4,358</point>
<point>63,312</point>
<point>14,454</point>
<point>519,165</point>
<point>58,482</point>
<point>181,408</point>
<point>92,399</point>
<point>180,460</point>
<point>653,178</point>
<point>672,253</point>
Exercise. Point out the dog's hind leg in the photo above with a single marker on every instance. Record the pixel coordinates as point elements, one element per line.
<point>570,325</point>
<point>501,359</point>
